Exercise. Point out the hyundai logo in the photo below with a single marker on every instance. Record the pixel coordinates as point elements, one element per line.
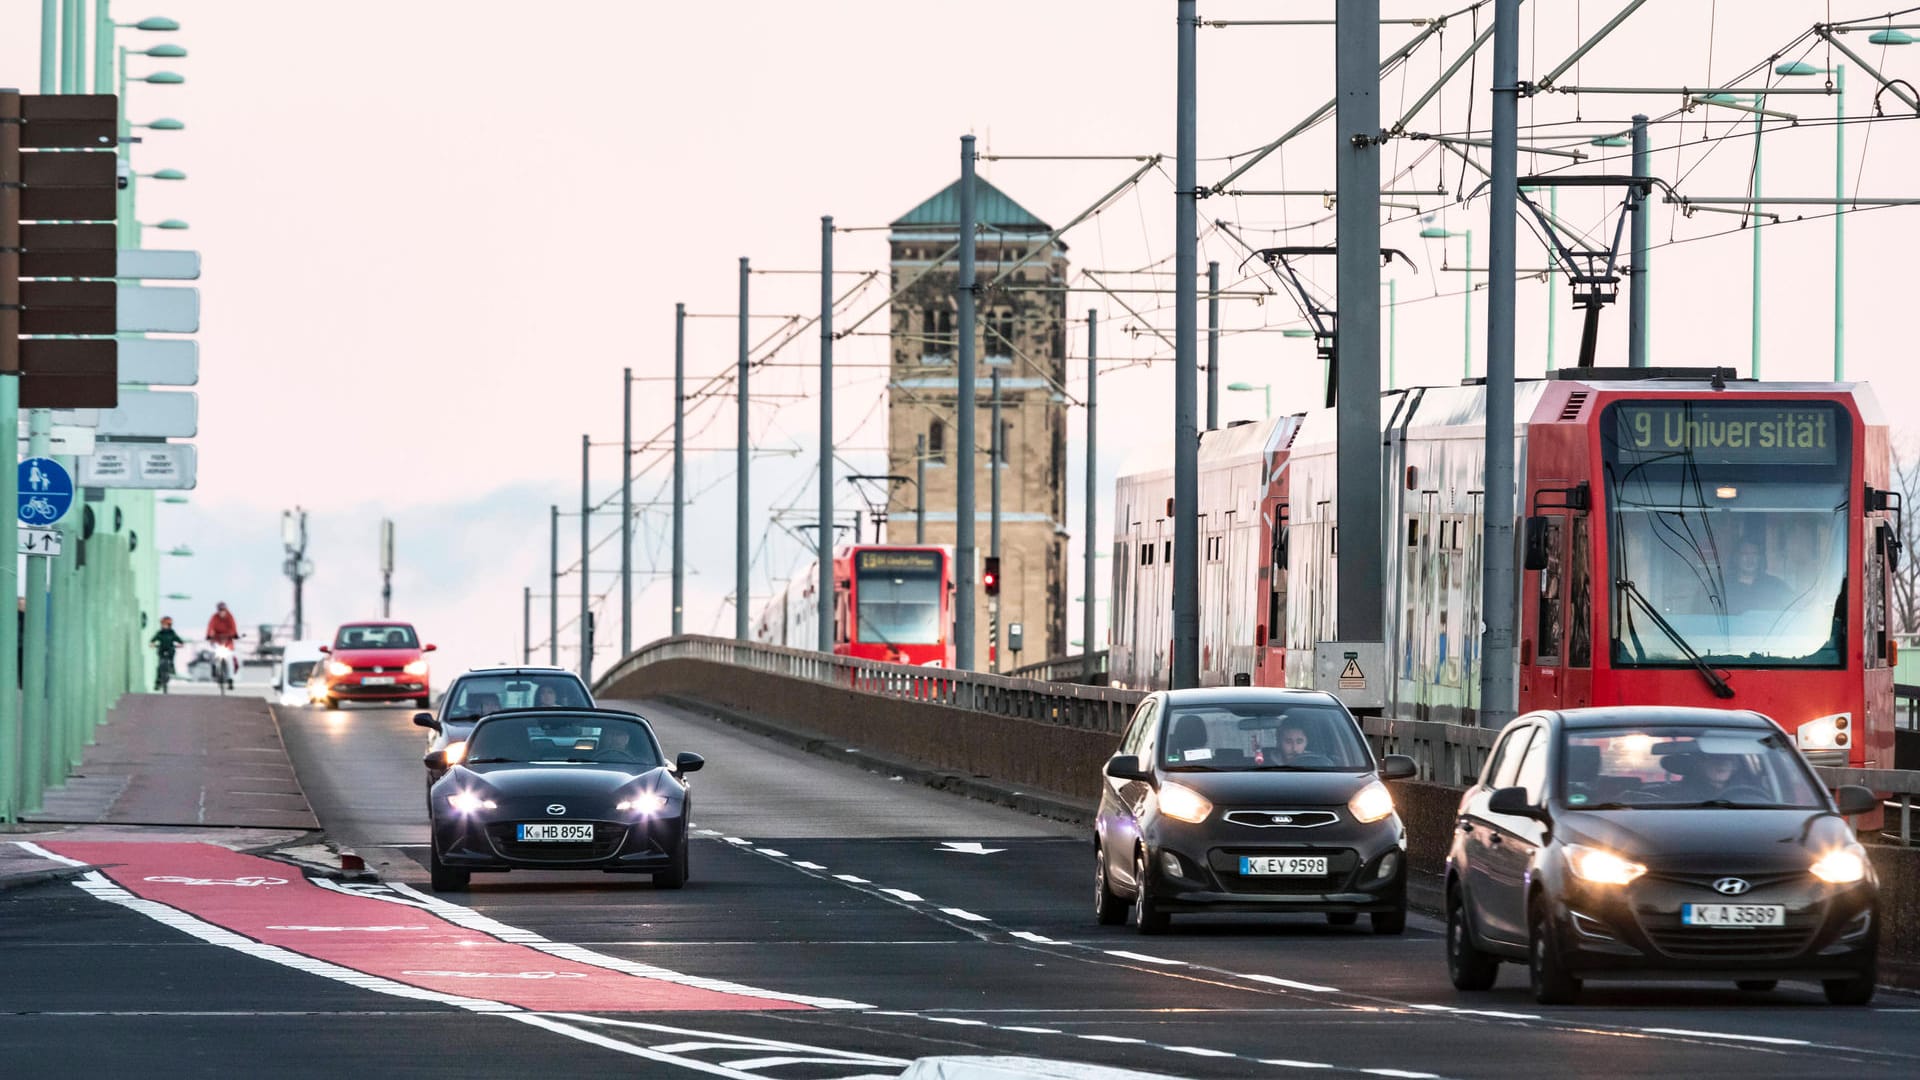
<point>1731,886</point>
<point>556,810</point>
<point>1282,819</point>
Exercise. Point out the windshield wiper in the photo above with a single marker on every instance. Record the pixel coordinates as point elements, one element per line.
<point>1731,804</point>
<point>1196,768</point>
<point>487,760</point>
<point>1720,688</point>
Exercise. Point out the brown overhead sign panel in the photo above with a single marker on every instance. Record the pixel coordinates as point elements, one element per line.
<point>72,195</point>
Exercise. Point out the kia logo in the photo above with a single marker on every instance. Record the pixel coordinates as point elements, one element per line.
<point>1282,819</point>
<point>556,810</point>
<point>1731,886</point>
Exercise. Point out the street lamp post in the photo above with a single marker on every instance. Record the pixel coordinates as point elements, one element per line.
<point>1266,390</point>
<point>1437,232</point>
<point>1839,83</point>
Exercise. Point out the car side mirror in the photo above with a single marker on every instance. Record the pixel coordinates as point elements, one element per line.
<point>1514,801</point>
<point>686,763</point>
<point>1536,548</point>
<point>328,649</point>
<point>279,684</point>
<point>1398,767</point>
<point>1853,800</point>
<point>435,759</point>
<point>428,648</point>
<point>1127,767</point>
<point>425,720</point>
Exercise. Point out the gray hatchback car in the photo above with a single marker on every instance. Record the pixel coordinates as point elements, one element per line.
<point>485,691</point>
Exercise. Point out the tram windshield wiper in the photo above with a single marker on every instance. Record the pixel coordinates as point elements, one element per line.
<point>1628,589</point>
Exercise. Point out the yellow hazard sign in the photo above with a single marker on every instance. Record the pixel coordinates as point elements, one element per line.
<point>1351,677</point>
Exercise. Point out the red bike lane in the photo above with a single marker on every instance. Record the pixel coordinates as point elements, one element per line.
<point>274,904</point>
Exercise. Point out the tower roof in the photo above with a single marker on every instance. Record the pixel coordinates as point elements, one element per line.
<point>991,208</point>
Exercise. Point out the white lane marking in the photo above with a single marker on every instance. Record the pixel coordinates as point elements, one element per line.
<point>971,847</point>
<point>770,851</point>
<point>1292,1064</point>
<point>1033,1030</point>
<point>1690,1033</point>
<point>1495,1013</point>
<point>808,865</point>
<point>36,849</point>
<point>852,879</point>
<point>962,913</point>
<point>246,882</point>
<point>707,832</point>
<point>736,840</point>
<point>1402,1073</point>
<point>594,1038</point>
<point>1037,939</point>
<point>1113,1039</point>
<point>902,894</point>
<point>1199,1051</point>
<point>473,920</point>
<point>1274,980</point>
<point>346,929</point>
<point>1145,959</point>
<point>100,887</point>
<point>498,974</point>
<point>962,1021</point>
<point>720,1040</point>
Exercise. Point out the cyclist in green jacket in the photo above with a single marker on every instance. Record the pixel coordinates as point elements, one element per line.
<point>166,641</point>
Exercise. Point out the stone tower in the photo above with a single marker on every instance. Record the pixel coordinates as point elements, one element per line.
<point>1022,337</point>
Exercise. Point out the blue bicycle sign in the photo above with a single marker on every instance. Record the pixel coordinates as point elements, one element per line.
<point>46,491</point>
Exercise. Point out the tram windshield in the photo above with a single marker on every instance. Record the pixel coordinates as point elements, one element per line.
<point>898,593</point>
<point>1728,532</point>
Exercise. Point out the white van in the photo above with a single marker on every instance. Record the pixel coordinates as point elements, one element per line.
<point>296,667</point>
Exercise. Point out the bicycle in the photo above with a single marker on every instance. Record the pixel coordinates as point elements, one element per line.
<point>38,508</point>
<point>163,675</point>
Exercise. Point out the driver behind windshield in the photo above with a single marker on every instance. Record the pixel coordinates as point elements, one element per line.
<point>1711,776</point>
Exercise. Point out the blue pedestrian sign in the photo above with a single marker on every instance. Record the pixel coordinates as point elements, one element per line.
<point>46,491</point>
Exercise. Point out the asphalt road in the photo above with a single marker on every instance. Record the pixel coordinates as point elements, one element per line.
<point>830,928</point>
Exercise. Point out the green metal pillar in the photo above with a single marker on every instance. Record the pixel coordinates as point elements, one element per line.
<point>1753,330</point>
<point>1553,303</point>
<point>1839,223</point>
<point>1393,338</point>
<point>1466,337</point>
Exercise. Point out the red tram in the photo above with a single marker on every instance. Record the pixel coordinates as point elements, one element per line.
<point>1688,538</point>
<point>890,602</point>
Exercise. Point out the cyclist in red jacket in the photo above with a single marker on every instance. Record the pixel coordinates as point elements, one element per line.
<point>221,629</point>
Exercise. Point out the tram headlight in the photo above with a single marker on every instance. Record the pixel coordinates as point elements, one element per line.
<point>1834,732</point>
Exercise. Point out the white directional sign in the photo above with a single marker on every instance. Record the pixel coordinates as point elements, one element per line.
<point>162,310</point>
<point>166,265</point>
<point>153,414</point>
<point>72,441</point>
<point>39,541</point>
<point>160,361</point>
<point>76,417</point>
<point>140,465</point>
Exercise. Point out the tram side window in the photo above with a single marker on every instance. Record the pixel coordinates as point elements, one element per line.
<point>1876,590</point>
<point>1580,596</point>
<point>1552,585</point>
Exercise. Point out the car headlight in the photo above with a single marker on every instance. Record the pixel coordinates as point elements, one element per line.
<point>1841,866</point>
<point>1600,866</point>
<point>1182,803</point>
<point>418,667</point>
<point>456,752</point>
<point>336,667</point>
<point>647,802</point>
<point>1371,803</point>
<point>1833,732</point>
<point>467,802</point>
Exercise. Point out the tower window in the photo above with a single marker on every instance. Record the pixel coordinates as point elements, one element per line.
<point>936,440</point>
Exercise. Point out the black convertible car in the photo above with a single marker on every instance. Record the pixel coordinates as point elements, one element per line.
<point>561,789</point>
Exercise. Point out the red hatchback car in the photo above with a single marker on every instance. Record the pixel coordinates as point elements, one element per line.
<point>375,661</point>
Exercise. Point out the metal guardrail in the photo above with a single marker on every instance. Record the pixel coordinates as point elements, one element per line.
<point>1450,754</point>
<point>1065,669</point>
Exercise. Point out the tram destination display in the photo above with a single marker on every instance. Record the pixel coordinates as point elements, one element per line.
<point>1777,433</point>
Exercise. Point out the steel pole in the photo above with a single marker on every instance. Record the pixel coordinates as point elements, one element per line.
<point>1753,329</point>
<point>1500,592</point>
<point>586,575</point>
<point>679,467</point>
<point>10,177</point>
<point>825,567</point>
<point>742,451</point>
<point>526,624</point>
<point>626,511</point>
<point>1466,313</point>
<point>1359,616</point>
<point>1638,283</point>
<point>1186,434</point>
<point>1839,223</point>
<point>965,571</point>
<point>36,715</point>
<point>1393,335</point>
<point>920,489</point>
<point>1553,279</point>
<point>1213,345</point>
<point>553,588</point>
<point>995,449</point>
<point>1088,622</point>
<point>50,45</point>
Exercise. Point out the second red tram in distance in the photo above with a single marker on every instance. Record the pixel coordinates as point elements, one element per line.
<point>1685,538</point>
<point>890,602</point>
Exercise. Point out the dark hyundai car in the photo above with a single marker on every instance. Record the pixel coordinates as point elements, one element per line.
<point>485,691</point>
<point>1662,842</point>
<point>1238,799</point>
<point>562,789</point>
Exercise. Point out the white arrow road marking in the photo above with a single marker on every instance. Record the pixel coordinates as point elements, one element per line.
<point>970,847</point>
<point>498,974</point>
<point>247,882</point>
<point>346,929</point>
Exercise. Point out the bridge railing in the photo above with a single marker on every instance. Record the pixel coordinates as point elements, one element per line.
<point>1450,754</point>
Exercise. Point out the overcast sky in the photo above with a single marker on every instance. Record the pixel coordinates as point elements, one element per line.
<point>433,234</point>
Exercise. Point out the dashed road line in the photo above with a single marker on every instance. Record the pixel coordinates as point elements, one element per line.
<point>1291,984</point>
<point>850,878</point>
<point>808,865</point>
<point>963,913</point>
<point>770,851</point>
<point>902,894</point>
<point>1770,1040</point>
<point>1144,958</point>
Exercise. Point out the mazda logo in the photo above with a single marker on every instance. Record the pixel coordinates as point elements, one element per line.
<point>1731,886</point>
<point>1282,819</point>
<point>556,810</point>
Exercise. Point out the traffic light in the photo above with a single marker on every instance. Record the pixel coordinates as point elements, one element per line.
<point>991,576</point>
